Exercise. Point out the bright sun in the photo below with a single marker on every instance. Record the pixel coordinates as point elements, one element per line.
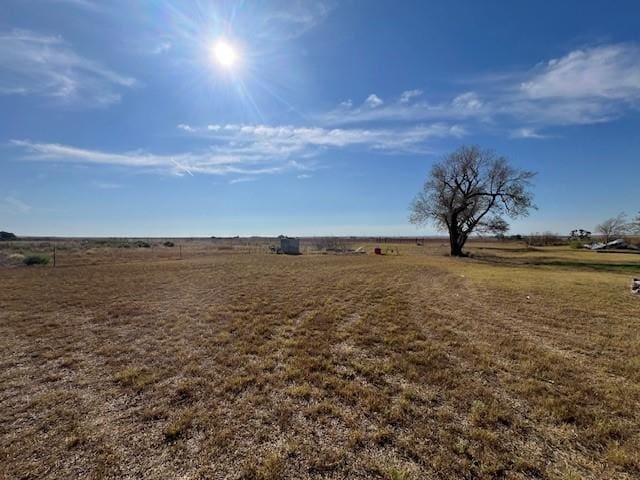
<point>225,54</point>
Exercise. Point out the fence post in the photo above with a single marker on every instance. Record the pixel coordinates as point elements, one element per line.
<point>54,256</point>
<point>180,246</point>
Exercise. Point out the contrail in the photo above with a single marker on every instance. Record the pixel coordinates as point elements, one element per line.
<point>179,165</point>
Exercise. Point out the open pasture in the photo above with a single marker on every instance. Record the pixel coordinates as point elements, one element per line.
<point>238,364</point>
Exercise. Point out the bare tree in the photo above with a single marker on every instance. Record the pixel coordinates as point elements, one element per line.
<point>635,225</point>
<point>470,190</point>
<point>613,227</point>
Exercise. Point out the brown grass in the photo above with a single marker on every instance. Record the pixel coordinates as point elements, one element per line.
<point>243,365</point>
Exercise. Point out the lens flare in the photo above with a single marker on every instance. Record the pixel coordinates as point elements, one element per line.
<point>224,54</point>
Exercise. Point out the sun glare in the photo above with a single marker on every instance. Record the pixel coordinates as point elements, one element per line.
<point>225,54</point>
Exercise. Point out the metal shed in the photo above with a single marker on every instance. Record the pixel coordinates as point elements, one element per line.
<point>289,245</point>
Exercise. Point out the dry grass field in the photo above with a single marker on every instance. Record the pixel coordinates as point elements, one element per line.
<point>233,363</point>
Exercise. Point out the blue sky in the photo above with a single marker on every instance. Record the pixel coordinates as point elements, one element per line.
<point>117,118</point>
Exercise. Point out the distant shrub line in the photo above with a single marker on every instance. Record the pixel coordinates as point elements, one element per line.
<point>36,259</point>
<point>7,236</point>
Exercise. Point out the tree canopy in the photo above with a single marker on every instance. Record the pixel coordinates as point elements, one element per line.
<point>472,190</point>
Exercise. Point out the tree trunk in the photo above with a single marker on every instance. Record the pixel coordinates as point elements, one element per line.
<point>456,241</point>
<point>456,251</point>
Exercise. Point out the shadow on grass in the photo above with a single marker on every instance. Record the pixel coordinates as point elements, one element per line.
<point>512,250</point>
<point>554,262</point>
<point>607,267</point>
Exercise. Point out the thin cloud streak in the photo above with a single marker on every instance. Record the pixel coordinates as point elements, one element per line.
<point>293,20</point>
<point>408,95</point>
<point>107,185</point>
<point>87,4</point>
<point>251,149</point>
<point>243,180</point>
<point>289,139</point>
<point>47,66</point>
<point>14,206</point>
<point>162,47</point>
<point>527,132</point>
<point>205,162</point>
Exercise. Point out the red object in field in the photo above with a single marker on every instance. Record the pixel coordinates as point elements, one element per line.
<point>377,251</point>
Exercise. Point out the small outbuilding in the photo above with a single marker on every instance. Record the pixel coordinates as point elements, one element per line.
<point>289,245</point>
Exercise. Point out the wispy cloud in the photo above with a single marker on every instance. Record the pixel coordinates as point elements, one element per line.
<point>373,101</point>
<point>47,66</point>
<point>590,85</point>
<point>251,150</point>
<point>243,180</point>
<point>407,95</point>
<point>293,19</point>
<point>288,139</point>
<point>527,132</point>
<point>162,47</point>
<point>87,4</point>
<point>526,104</point>
<point>107,185</point>
<point>14,206</point>
<point>467,102</point>
<point>209,161</point>
<point>585,86</point>
<point>406,108</point>
<point>606,72</point>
